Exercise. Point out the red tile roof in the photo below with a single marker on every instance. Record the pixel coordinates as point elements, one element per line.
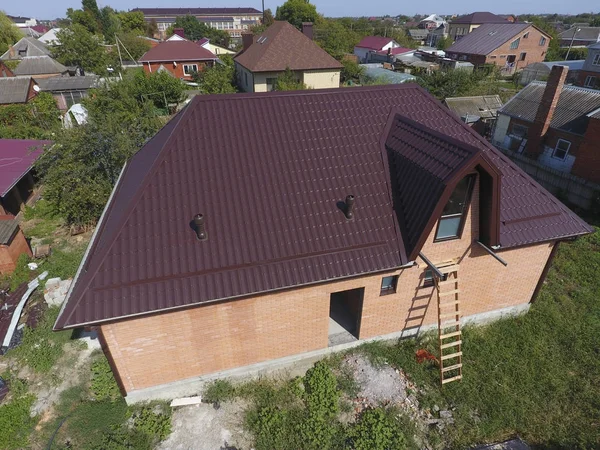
<point>16,158</point>
<point>374,42</point>
<point>267,171</point>
<point>396,51</point>
<point>282,46</point>
<point>170,51</point>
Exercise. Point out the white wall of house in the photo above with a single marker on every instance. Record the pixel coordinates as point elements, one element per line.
<point>322,79</point>
<point>562,165</point>
<point>263,81</point>
<point>245,78</point>
<point>363,53</point>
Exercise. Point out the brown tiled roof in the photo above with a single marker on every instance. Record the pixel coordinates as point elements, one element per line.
<point>282,46</point>
<point>183,50</point>
<point>267,171</point>
<point>480,17</point>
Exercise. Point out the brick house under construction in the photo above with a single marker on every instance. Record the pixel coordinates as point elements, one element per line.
<point>254,227</point>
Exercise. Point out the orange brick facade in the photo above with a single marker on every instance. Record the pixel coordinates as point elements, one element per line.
<point>171,346</point>
<point>9,254</point>
<point>176,68</point>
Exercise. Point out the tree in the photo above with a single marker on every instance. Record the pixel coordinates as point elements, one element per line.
<point>86,20</point>
<point>454,83</point>
<point>80,48</point>
<point>296,12</point>
<point>80,170</point>
<point>335,38</point>
<point>443,43</point>
<point>152,28</point>
<point>265,23</point>
<point>195,30</point>
<point>135,45</point>
<point>9,33</point>
<point>288,81</point>
<point>160,88</point>
<point>219,79</point>
<point>110,24</point>
<point>38,119</point>
<point>352,71</point>
<point>133,22</point>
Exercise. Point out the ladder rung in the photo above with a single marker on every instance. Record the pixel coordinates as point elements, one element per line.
<point>447,282</point>
<point>448,380</point>
<point>449,335</point>
<point>453,355</point>
<point>454,367</point>
<point>449,324</point>
<point>451,344</point>
<point>453,314</point>
<point>445,294</point>
<point>450,303</point>
<point>448,269</point>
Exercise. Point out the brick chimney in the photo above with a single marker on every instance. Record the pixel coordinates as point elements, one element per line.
<point>545,112</point>
<point>307,29</point>
<point>247,40</point>
<point>179,32</point>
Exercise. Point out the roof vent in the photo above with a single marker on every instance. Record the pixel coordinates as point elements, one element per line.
<point>201,233</point>
<point>349,207</point>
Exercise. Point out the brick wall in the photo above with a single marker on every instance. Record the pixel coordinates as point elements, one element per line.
<point>587,163</point>
<point>534,52</point>
<point>178,70</point>
<point>9,254</point>
<point>182,344</point>
<point>583,74</point>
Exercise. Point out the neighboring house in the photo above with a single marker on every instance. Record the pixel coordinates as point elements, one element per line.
<point>541,70</point>
<point>252,225</point>
<point>26,46</point>
<point>390,55</point>
<point>281,47</point>
<point>508,17</point>
<point>181,57</point>
<point>479,112</point>
<point>552,123</point>
<point>216,49</point>
<point>510,46</point>
<point>17,90</point>
<point>12,244</point>
<point>589,76</point>
<point>40,67</point>
<point>579,37</point>
<point>437,34</point>
<point>432,22</point>
<point>418,35</point>
<point>23,22</point>
<point>373,44</point>
<point>67,91</point>
<point>16,180</point>
<point>463,25</point>
<point>235,21</point>
<point>50,38</point>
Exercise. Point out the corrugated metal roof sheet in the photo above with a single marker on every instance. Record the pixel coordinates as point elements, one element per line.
<point>14,90</point>
<point>479,17</point>
<point>487,38</point>
<point>282,46</point>
<point>267,171</point>
<point>484,106</point>
<point>16,158</point>
<point>8,228</point>
<point>54,84</point>
<point>30,46</point>
<point>196,11</point>
<point>581,33</point>
<point>38,65</point>
<point>573,105</point>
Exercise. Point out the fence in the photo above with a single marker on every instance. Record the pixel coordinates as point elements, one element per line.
<point>573,189</point>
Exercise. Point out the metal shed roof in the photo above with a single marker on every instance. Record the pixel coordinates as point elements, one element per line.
<point>487,38</point>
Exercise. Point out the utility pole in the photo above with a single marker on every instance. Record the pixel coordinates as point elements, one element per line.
<point>263,9</point>
<point>571,44</point>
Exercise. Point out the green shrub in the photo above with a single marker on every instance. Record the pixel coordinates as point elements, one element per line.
<point>124,439</point>
<point>104,386</point>
<point>153,420</point>
<point>219,391</point>
<point>376,430</point>
<point>15,421</point>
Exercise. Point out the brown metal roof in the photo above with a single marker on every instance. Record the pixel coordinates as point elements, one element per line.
<point>180,50</point>
<point>480,17</point>
<point>488,37</point>
<point>282,46</point>
<point>267,171</point>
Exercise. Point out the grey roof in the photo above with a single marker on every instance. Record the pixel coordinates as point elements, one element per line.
<point>570,114</point>
<point>595,114</point>
<point>31,47</point>
<point>377,71</point>
<point>594,46</point>
<point>54,84</point>
<point>584,33</point>
<point>484,106</point>
<point>39,65</point>
<point>487,38</point>
<point>14,90</point>
<point>575,64</point>
<point>418,33</point>
<point>8,228</point>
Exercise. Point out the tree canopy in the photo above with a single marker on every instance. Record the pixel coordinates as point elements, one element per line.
<point>38,119</point>
<point>296,12</point>
<point>9,33</point>
<point>195,30</point>
<point>81,48</point>
<point>219,79</point>
<point>288,81</point>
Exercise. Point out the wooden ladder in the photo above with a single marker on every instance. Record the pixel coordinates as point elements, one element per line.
<point>450,335</point>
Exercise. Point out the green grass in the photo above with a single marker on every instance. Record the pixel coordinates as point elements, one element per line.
<point>15,421</point>
<point>537,376</point>
<point>46,219</point>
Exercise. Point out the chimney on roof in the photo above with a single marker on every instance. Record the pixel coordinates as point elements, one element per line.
<point>307,29</point>
<point>11,51</point>
<point>546,108</point>
<point>349,207</point>
<point>247,40</point>
<point>179,32</point>
<point>201,233</point>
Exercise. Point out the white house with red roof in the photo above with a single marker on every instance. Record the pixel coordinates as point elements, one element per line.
<point>379,45</point>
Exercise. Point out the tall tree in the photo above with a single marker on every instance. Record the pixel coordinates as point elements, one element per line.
<point>296,12</point>
<point>219,79</point>
<point>9,33</point>
<point>335,38</point>
<point>152,28</point>
<point>194,30</point>
<point>133,22</point>
<point>78,47</point>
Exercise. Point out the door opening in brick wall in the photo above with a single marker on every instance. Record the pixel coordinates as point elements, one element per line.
<point>345,309</point>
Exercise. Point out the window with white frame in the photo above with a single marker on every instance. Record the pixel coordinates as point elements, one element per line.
<point>189,69</point>
<point>596,61</point>
<point>590,81</point>
<point>561,150</point>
